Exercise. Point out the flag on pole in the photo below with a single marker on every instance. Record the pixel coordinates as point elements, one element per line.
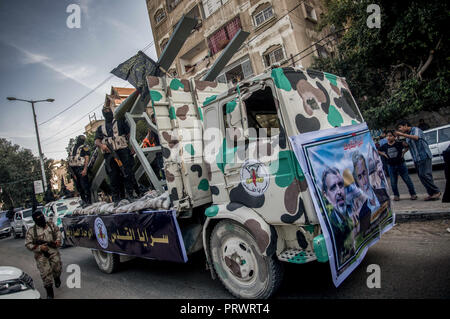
<point>135,70</point>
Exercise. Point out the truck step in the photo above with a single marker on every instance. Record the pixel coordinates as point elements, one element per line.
<point>297,256</point>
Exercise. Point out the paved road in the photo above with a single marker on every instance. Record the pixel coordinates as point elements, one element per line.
<point>414,258</point>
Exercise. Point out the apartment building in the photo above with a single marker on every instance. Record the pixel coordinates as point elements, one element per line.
<point>279,31</point>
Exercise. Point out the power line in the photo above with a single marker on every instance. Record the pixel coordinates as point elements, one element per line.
<point>91,91</point>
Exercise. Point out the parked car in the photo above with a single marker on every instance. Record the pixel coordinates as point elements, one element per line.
<point>5,225</point>
<point>438,139</point>
<point>21,222</point>
<point>15,284</point>
<point>54,211</point>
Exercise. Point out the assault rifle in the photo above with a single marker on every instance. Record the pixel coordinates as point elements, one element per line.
<point>117,159</point>
<point>72,172</point>
<point>49,244</point>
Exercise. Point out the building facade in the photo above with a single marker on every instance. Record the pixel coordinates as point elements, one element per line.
<point>282,32</point>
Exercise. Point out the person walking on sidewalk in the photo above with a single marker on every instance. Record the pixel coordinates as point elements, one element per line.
<point>393,152</point>
<point>421,155</point>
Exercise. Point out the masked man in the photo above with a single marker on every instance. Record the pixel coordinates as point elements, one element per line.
<point>44,239</point>
<point>112,140</point>
<point>78,161</point>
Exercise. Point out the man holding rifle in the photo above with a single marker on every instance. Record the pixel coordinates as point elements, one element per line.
<point>44,239</point>
<point>112,139</point>
<point>78,161</point>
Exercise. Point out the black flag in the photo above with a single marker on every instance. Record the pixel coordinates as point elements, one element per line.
<point>135,70</point>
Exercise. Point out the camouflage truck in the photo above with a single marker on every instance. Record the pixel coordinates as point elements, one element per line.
<point>234,179</point>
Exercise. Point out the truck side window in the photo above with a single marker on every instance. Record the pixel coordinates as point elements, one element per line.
<point>262,113</point>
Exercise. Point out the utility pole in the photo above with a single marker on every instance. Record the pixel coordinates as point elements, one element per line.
<point>41,156</point>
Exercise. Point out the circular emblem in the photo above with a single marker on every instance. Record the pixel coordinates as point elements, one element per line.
<point>255,177</point>
<point>101,233</point>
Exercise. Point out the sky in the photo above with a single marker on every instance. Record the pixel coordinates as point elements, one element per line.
<point>41,58</point>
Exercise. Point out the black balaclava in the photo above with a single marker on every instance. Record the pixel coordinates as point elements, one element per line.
<point>108,114</point>
<point>39,218</point>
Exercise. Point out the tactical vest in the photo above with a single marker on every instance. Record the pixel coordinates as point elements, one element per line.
<point>49,224</point>
<point>76,160</point>
<point>117,141</point>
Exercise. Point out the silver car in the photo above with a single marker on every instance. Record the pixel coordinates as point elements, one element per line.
<point>21,222</point>
<point>438,139</point>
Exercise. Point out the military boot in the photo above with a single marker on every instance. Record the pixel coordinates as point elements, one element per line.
<point>57,282</point>
<point>49,290</point>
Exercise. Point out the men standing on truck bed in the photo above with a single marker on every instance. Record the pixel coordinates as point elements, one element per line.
<point>112,139</point>
<point>78,161</point>
<point>44,239</point>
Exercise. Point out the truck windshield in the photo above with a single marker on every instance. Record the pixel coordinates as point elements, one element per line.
<point>27,213</point>
<point>61,208</point>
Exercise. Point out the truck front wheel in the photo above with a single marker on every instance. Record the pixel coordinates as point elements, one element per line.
<point>243,271</point>
<point>106,262</point>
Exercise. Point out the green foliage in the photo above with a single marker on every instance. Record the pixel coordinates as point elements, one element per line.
<point>387,68</point>
<point>18,169</point>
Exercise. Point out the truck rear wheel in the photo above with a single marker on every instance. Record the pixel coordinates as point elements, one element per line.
<point>106,262</point>
<point>241,268</point>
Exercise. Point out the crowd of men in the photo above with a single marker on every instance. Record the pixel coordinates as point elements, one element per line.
<point>112,139</point>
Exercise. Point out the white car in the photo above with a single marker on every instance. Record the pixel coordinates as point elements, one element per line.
<point>438,139</point>
<point>15,284</point>
<point>21,222</point>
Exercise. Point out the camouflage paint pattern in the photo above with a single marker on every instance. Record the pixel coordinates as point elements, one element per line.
<point>281,216</point>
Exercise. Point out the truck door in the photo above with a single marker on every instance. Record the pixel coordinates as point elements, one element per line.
<point>262,174</point>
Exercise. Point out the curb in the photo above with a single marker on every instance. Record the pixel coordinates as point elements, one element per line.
<point>402,217</point>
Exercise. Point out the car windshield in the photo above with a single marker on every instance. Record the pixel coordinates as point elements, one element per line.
<point>444,135</point>
<point>431,137</point>
<point>27,213</point>
<point>61,208</point>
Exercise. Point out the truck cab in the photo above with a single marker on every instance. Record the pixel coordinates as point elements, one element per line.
<point>241,186</point>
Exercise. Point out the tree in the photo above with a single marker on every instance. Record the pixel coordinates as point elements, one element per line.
<point>395,70</point>
<point>18,169</point>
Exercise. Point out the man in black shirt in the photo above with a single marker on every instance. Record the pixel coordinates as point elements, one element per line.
<point>78,160</point>
<point>393,151</point>
<point>120,171</point>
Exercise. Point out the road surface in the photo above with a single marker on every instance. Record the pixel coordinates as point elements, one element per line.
<point>414,258</point>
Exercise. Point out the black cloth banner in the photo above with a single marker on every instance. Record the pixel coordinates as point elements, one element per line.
<point>135,70</point>
<point>148,234</point>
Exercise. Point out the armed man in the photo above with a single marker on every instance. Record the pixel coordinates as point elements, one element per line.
<point>78,161</point>
<point>44,239</point>
<point>112,139</point>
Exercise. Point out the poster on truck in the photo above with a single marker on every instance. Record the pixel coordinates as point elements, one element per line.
<point>147,234</point>
<point>346,178</point>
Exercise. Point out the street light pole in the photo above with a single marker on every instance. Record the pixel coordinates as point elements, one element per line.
<point>41,156</point>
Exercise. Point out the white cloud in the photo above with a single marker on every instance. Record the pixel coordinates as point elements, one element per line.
<point>74,72</point>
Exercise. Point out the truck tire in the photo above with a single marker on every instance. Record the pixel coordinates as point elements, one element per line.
<point>106,262</point>
<point>14,233</point>
<point>24,231</point>
<point>241,268</point>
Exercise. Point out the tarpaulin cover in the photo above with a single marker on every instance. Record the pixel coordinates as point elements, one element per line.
<point>148,234</point>
<point>345,174</point>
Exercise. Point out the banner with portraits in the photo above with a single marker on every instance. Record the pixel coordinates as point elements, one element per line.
<point>345,175</point>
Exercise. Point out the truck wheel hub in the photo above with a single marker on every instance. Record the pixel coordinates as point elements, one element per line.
<point>239,260</point>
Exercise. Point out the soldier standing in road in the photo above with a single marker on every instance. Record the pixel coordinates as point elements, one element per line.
<point>78,161</point>
<point>44,239</point>
<point>112,139</point>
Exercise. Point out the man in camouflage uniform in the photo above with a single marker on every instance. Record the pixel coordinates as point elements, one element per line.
<point>44,239</point>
